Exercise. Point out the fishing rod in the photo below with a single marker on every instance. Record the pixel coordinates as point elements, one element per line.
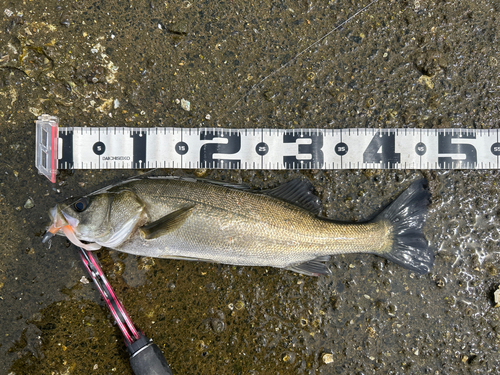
<point>145,357</point>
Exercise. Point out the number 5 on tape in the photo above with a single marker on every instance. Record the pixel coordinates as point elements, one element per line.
<point>140,148</point>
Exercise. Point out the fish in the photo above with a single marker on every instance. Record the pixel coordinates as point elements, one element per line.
<point>200,220</point>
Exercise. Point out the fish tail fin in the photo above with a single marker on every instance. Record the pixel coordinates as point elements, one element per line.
<point>409,248</point>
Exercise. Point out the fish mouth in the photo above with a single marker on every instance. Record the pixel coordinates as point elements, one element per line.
<point>66,224</point>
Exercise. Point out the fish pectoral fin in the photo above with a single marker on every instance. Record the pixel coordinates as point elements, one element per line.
<point>299,193</point>
<point>165,224</point>
<point>313,267</point>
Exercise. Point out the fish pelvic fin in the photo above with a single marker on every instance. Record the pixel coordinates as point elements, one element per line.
<point>165,224</point>
<point>409,248</point>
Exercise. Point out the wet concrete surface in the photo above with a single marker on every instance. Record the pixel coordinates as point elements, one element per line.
<point>418,63</point>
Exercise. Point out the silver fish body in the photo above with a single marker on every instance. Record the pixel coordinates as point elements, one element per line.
<point>195,220</point>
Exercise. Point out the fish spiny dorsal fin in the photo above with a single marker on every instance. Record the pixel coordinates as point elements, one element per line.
<point>299,193</point>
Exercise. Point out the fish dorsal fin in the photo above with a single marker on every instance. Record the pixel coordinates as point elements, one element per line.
<point>165,224</point>
<point>299,193</point>
<point>313,267</point>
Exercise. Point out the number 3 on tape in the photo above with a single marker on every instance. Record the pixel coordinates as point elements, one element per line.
<point>139,148</point>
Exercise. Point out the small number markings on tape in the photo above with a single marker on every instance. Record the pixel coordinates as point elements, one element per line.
<point>131,148</point>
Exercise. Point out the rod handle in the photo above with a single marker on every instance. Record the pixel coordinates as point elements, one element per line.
<point>149,361</point>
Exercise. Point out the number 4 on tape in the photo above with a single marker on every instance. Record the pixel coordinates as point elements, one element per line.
<point>140,148</point>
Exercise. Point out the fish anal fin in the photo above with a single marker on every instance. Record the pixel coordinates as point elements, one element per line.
<point>299,193</point>
<point>165,224</point>
<point>313,267</point>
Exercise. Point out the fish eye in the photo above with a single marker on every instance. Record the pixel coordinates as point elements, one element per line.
<point>81,204</point>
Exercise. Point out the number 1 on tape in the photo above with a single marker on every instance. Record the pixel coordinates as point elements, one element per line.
<point>191,148</point>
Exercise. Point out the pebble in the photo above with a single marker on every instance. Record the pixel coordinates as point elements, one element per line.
<point>426,81</point>
<point>239,305</point>
<point>496,296</point>
<point>200,172</point>
<point>327,358</point>
<point>29,203</point>
<point>186,105</point>
<point>180,28</point>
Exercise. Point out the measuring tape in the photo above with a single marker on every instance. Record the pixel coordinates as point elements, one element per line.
<point>193,148</point>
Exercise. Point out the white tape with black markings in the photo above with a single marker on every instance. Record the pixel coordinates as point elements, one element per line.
<point>140,148</point>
